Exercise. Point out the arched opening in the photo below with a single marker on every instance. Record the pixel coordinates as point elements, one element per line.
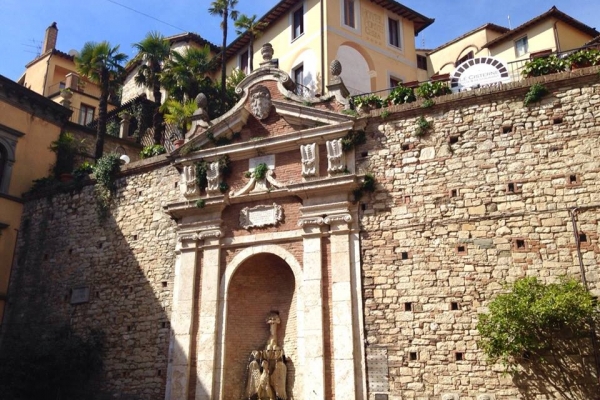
<point>355,69</point>
<point>262,284</point>
<point>3,162</point>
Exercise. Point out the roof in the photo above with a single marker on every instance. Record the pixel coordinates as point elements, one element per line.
<point>552,13</point>
<point>181,37</point>
<point>30,101</point>
<point>284,6</point>
<point>490,26</point>
<point>53,52</point>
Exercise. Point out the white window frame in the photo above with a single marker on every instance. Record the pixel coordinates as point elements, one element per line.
<point>356,28</point>
<point>247,52</point>
<point>292,30</point>
<point>526,41</point>
<point>398,19</point>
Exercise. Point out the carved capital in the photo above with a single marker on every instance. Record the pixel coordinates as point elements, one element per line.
<point>338,218</point>
<point>305,222</point>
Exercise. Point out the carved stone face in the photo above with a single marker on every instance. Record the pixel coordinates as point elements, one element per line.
<point>260,102</point>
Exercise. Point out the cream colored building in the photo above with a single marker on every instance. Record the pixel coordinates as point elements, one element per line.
<point>551,32</point>
<point>374,41</point>
<point>54,71</point>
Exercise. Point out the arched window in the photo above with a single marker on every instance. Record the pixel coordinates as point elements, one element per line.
<point>7,158</point>
<point>3,163</point>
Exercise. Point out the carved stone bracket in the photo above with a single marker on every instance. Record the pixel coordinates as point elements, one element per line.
<point>188,184</point>
<point>335,156</point>
<point>213,177</point>
<point>310,159</point>
<point>260,216</point>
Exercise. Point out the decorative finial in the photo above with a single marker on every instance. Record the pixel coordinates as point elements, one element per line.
<point>267,52</point>
<point>335,68</point>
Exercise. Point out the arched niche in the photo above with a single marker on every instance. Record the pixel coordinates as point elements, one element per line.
<point>355,69</point>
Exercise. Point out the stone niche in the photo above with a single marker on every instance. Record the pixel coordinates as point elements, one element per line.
<point>263,284</point>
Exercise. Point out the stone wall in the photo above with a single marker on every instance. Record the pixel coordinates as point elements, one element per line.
<point>482,199</point>
<point>125,263</point>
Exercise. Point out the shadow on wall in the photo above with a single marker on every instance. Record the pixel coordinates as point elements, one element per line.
<point>93,297</point>
<point>568,372</point>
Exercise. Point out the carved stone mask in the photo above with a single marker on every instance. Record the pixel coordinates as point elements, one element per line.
<point>260,102</point>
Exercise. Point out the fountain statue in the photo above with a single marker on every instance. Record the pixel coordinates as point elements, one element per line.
<point>267,371</point>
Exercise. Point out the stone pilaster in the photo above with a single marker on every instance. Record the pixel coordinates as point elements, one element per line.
<point>178,374</point>
<point>344,379</point>
<point>312,287</point>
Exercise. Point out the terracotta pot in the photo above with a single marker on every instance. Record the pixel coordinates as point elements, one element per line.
<point>178,143</point>
<point>65,177</point>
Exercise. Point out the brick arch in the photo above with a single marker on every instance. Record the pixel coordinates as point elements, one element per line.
<point>261,268</point>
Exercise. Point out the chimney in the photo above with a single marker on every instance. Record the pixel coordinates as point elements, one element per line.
<point>50,39</point>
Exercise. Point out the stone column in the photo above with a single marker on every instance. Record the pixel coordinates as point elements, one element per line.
<point>344,379</point>
<point>207,326</point>
<point>124,128</point>
<point>178,374</point>
<point>313,363</point>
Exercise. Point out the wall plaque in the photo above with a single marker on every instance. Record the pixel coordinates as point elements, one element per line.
<point>377,370</point>
<point>259,216</point>
<point>269,160</point>
<point>80,295</point>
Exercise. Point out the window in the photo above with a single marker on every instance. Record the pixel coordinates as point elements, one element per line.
<point>7,159</point>
<point>299,74</point>
<point>245,62</point>
<point>86,114</point>
<point>421,62</point>
<point>394,32</point>
<point>395,82</point>
<point>468,56</point>
<point>3,163</point>
<point>521,46</point>
<point>298,22</point>
<point>349,14</point>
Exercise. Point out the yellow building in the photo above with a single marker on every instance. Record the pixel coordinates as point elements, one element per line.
<point>29,122</point>
<point>54,71</point>
<point>374,41</point>
<point>551,32</point>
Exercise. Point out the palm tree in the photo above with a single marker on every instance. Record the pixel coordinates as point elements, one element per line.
<point>102,64</point>
<point>184,74</point>
<point>153,51</point>
<point>224,9</point>
<point>248,24</point>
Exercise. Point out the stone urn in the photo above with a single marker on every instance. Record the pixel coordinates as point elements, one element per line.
<point>267,51</point>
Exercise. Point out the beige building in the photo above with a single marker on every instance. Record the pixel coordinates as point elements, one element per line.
<point>551,32</point>
<point>375,40</point>
<point>54,75</point>
<point>28,124</point>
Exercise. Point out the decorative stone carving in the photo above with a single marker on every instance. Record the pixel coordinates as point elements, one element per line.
<point>335,68</point>
<point>260,102</point>
<point>202,103</point>
<point>213,176</point>
<point>310,159</point>
<point>345,218</point>
<point>259,216</point>
<point>310,221</point>
<point>267,52</point>
<point>258,185</point>
<point>188,185</point>
<point>335,156</point>
<point>267,370</point>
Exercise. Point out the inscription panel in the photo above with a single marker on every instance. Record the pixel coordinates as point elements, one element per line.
<point>260,216</point>
<point>80,295</point>
<point>374,27</point>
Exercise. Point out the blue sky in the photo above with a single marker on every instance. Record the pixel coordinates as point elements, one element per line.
<point>23,22</point>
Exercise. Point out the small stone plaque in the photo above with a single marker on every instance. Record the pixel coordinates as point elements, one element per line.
<point>80,295</point>
<point>377,370</point>
<point>269,160</point>
<point>260,216</point>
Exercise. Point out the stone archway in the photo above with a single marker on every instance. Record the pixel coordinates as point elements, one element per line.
<point>261,284</point>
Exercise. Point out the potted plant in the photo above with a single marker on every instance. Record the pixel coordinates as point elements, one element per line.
<point>544,66</point>
<point>584,58</point>
<point>368,102</point>
<point>429,90</point>
<point>66,148</point>
<point>400,95</point>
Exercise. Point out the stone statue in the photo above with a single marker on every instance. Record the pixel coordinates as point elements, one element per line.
<point>260,102</point>
<point>267,380</point>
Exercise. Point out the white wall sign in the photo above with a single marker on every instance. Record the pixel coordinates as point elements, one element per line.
<point>479,72</point>
<point>259,216</point>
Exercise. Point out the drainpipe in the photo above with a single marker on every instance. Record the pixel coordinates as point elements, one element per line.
<point>573,212</point>
<point>556,41</point>
<point>322,48</point>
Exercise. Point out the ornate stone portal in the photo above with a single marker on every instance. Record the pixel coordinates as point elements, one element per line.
<point>267,372</point>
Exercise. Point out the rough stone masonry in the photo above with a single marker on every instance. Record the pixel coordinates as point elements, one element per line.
<point>488,195</point>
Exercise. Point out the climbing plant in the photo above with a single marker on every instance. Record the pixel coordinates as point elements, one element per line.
<point>105,171</point>
<point>202,170</point>
<point>367,185</point>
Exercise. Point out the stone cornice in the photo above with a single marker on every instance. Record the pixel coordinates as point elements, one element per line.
<point>271,145</point>
<point>297,114</point>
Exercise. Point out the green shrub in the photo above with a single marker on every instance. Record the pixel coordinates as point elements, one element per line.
<point>368,101</point>
<point>401,95</point>
<point>544,66</point>
<point>535,93</point>
<point>584,58</point>
<point>66,148</point>
<point>423,127</point>
<point>429,90</point>
<point>527,320</point>
<point>152,151</point>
